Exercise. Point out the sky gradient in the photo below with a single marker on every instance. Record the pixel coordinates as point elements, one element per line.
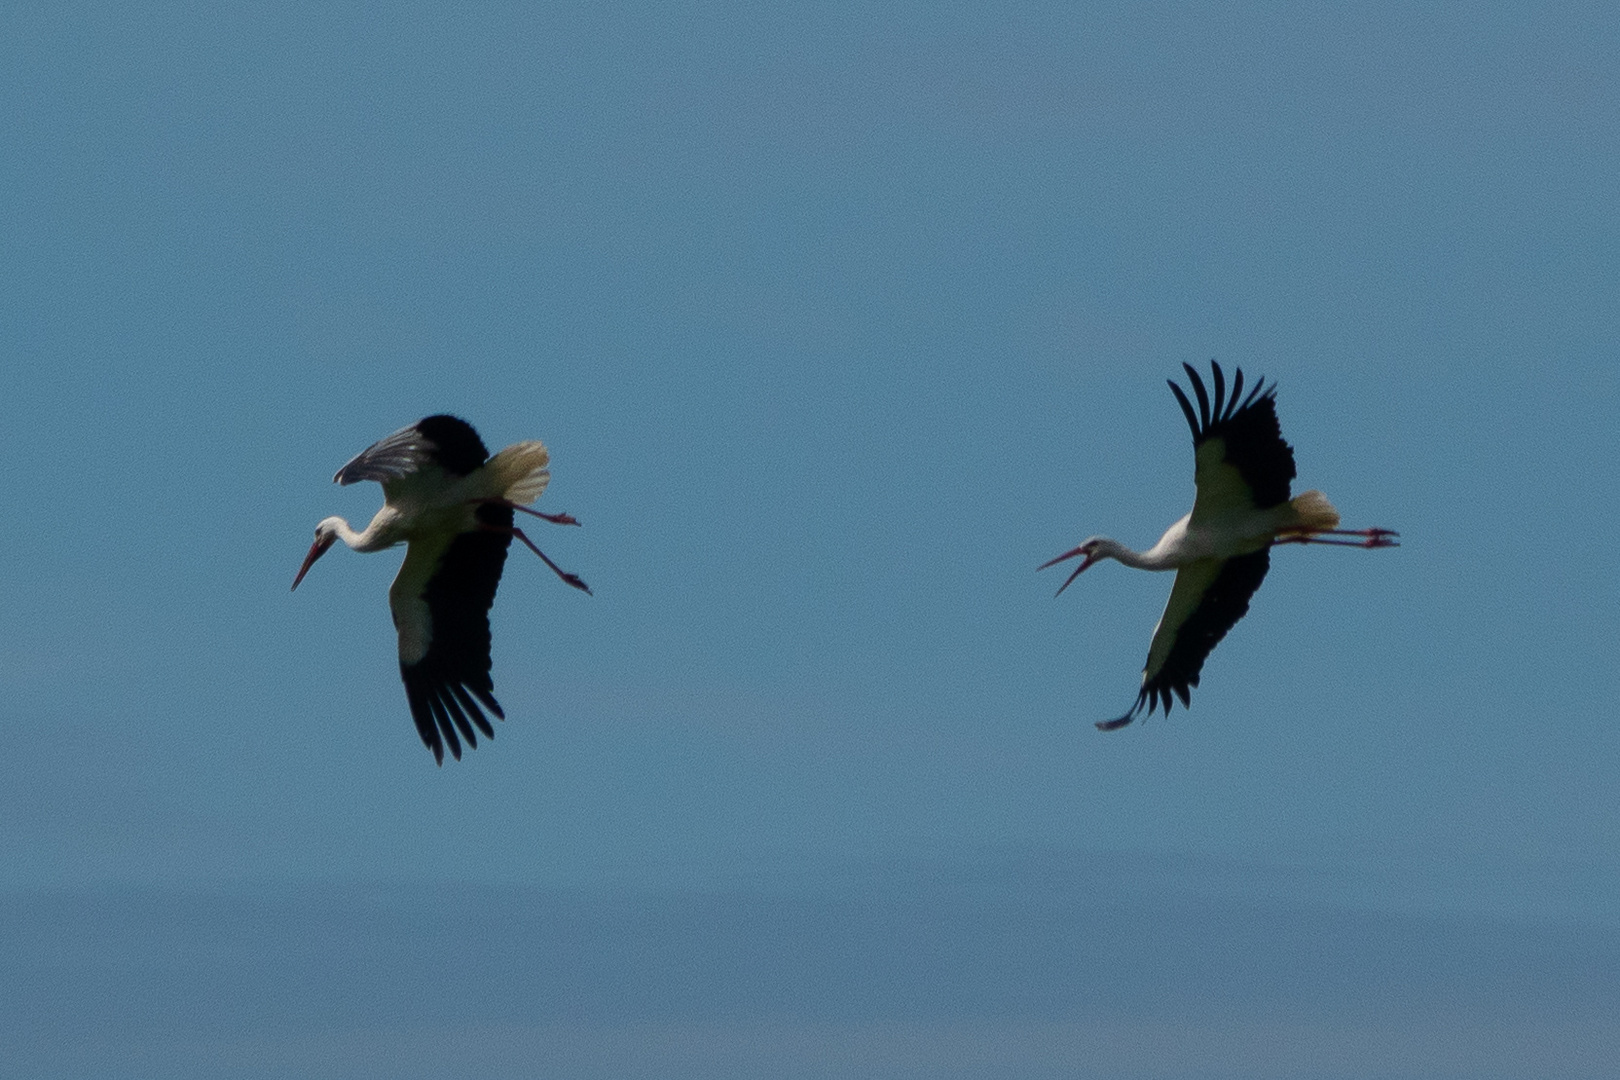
<point>838,321</point>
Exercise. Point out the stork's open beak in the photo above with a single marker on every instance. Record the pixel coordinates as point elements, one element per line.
<point>1081,550</point>
<point>316,550</point>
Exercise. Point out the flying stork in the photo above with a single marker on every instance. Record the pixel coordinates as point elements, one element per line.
<point>1222,550</point>
<point>451,504</point>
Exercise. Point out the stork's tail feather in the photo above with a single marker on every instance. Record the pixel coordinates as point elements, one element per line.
<point>1314,511</point>
<point>519,472</point>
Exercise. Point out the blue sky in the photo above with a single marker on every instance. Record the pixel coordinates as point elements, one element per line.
<point>838,321</point>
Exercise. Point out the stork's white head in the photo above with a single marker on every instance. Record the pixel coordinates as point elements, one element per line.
<point>326,534</point>
<point>1094,549</point>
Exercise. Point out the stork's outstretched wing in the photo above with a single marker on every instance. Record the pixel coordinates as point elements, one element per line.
<point>441,601</point>
<point>1208,598</point>
<point>445,441</point>
<point>1241,458</point>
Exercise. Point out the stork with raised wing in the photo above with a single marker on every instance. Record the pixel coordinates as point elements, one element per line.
<point>1222,550</point>
<point>451,504</point>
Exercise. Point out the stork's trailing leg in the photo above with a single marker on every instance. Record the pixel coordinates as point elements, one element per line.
<point>555,519</point>
<point>1370,538</point>
<point>569,579</point>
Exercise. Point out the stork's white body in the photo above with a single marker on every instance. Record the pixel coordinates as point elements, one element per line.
<point>1220,551</point>
<point>1183,544</point>
<point>452,507</point>
<point>426,510</point>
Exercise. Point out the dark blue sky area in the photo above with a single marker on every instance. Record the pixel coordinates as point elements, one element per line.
<point>1037,965</point>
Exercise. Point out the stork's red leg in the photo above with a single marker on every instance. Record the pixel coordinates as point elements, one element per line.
<point>570,579</point>
<point>1370,538</point>
<point>1380,540</point>
<point>1371,533</point>
<point>555,519</point>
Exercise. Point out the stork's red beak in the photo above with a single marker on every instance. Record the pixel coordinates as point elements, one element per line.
<point>316,550</point>
<point>1081,550</point>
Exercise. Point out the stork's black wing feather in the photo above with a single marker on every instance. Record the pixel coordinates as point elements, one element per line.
<point>456,446</point>
<point>1223,603</point>
<point>1248,428</point>
<point>446,441</point>
<point>447,686</point>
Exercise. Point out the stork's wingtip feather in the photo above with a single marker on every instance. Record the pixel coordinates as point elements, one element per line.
<point>1200,393</point>
<point>1186,410</point>
<point>1130,715</point>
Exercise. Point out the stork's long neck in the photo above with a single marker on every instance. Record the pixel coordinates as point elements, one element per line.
<point>376,536</point>
<point>1141,560</point>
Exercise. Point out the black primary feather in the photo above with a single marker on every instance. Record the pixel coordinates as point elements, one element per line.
<point>1249,429</point>
<point>1223,604</point>
<point>446,687</point>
